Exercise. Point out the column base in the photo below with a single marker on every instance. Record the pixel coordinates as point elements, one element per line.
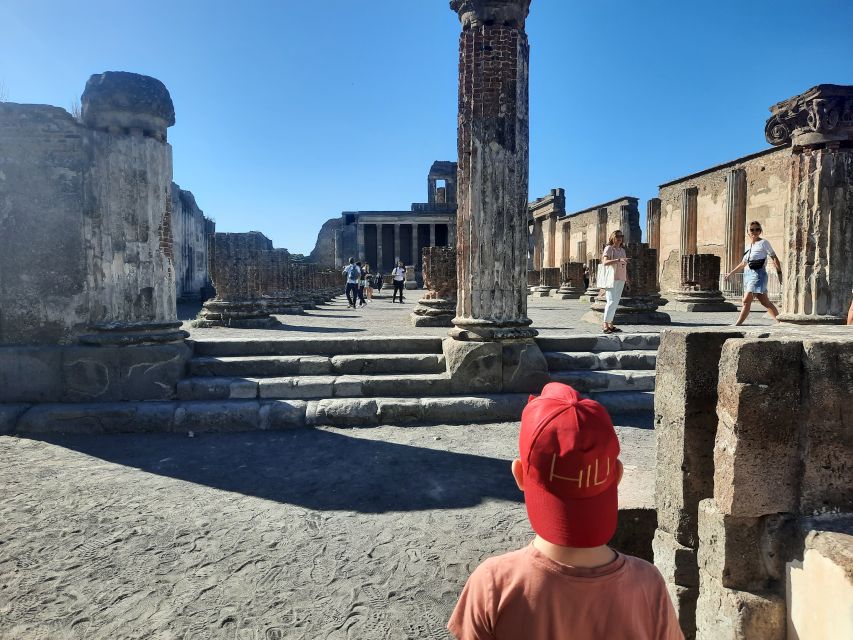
<point>283,306</point>
<point>699,302</point>
<point>631,310</point>
<point>245,314</point>
<point>514,365</point>
<point>132,333</point>
<point>567,293</point>
<point>804,318</point>
<point>482,331</point>
<point>591,293</point>
<point>542,292</point>
<point>434,312</point>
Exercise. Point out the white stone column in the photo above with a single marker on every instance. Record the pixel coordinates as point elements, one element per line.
<point>378,266</point>
<point>397,255</point>
<point>359,240</point>
<point>414,244</point>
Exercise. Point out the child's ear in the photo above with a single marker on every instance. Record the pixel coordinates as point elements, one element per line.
<point>518,473</point>
<point>620,471</point>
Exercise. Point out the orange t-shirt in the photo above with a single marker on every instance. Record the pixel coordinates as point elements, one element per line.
<point>526,595</point>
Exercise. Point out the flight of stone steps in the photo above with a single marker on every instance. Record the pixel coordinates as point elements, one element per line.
<point>402,380</point>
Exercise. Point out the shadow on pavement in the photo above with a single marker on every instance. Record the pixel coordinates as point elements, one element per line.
<point>314,469</point>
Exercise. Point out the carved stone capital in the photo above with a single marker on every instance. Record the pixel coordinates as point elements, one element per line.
<point>478,13</point>
<point>822,114</point>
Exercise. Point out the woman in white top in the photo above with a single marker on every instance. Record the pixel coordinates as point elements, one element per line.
<point>754,264</point>
<point>614,256</point>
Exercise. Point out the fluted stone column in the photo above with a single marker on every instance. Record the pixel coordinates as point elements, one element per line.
<point>601,232</point>
<point>653,223</point>
<point>397,255</point>
<point>359,240</point>
<point>566,236</point>
<point>818,270</point>
<point>414,246</point>
<point>538,245</point>
<point>735,218</point>
<point>378,266</point>
<point>492,190</point>
<point>688,220</point>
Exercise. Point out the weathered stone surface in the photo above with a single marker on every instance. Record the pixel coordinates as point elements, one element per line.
<point>826,425</point>
<point>571,281</point>
<point>219,388</point>
<point>677,563</point>
<point>351,412</point>
<point>524,367</point>
<point>30,374</point>
<point>117,101</point>
<point>818,233</point>
<point>243,366</point>
<point>120,417</point>
<point>474,367</point>
<point>687,376</point>
<point>388,363</point>
<point>700,286</point>
<point>202,417</point>
<point>744,553</point>
<point>728,614</point>
<point>9,414</point>
<point>684,601</point>
<point>275,415</point>
<point>756,452</point>
<point>493,163</point>
<point>437,307</point>
<point>297,388</point>
<point>634,533</point>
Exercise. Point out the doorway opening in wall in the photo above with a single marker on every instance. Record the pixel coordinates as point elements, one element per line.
<point>441,235</point>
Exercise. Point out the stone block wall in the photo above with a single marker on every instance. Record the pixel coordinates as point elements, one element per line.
<point>735,489</point>
<point>190,229</point>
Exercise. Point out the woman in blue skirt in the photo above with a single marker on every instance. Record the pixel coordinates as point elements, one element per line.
<point>754,266</point>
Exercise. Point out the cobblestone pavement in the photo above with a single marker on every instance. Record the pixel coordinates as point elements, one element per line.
<point>309,534</point>
<point>382,317</point>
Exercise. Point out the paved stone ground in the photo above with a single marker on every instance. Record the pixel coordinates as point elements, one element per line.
<point>382,317</point>
<point>309,534</point>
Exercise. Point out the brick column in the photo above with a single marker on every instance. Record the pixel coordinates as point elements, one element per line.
<point>700,286</point>
<point>438,305</point>
<point>493,142</point>
<point>571,281</point>
<point>492,192</point>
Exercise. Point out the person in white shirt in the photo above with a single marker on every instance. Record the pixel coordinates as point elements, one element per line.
<point>399,276</point>
<point>754,264</point>
<point>353,273</point>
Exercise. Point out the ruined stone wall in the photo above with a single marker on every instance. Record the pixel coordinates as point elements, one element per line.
<point>327,251</point>
<point>766,191</point>
<point>584,226</point>
<point>86,231</point>
<point>190,229</point>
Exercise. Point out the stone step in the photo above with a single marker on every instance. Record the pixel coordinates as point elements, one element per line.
<point>599,343</point>
<point>633,408</point>
<point>364,364</point>
<point>589,381</point>
<point>313,387</point>
<point>629,359</point>
<point>317,346</point>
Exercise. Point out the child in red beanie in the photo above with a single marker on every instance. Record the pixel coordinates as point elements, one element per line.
<point>567,583</point>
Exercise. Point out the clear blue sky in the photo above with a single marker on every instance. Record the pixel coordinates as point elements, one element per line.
<point>289,112</point>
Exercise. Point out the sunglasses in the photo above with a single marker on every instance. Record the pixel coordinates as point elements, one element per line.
<point>619,235</point>
<point>755,228</point>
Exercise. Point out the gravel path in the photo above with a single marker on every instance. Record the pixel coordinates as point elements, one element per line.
<point>313,534</point>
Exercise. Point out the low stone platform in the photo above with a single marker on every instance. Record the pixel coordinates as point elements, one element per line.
<point>312,533</point>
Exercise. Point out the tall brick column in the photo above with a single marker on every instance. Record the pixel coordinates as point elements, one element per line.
<point>492,193</point>
<point>818,271</point>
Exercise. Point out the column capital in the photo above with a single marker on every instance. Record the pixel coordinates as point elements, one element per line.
<point>478,13</point>
<point>822,114</point>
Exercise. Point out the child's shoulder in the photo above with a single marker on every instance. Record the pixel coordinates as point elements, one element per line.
<point>643,570</point>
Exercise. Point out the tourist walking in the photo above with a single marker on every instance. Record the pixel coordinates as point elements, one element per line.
<point>361,278</point>
<point>585,277</point>
<point>398,276</point>
<point>614,256</point>
<point>352,273</point>
<point>754,265</point>
<point>368,283</point>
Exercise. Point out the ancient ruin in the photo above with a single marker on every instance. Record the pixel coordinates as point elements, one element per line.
<point>571,281</point>
<point>700,286</point>
<point>437,306</point>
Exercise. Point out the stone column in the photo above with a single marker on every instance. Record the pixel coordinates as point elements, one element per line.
<point>700,286</point>
<point>359,240</point>
<point>818,271</point>
<point>593,291</point>
<point>653,228</point>
<point>571,281</point>
<point>549,282</point>
<point>432,234</point>
<point>438,305</point>
<point>492,191</point>
<point>566,251</point>
<point>688,220</point>
<point>735,218</point>
<point>415,252</point>
<point>397,255</point>
<point>625,223</point>
<point>451,234</point>
<point>538,242</point>
<point>378,266</point>
<point>600,233</point>
<point>640,298</point>
<point>551,241</point>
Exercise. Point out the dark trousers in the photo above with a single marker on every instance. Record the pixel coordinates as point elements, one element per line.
<point>361,295</point>
<point>398,286</point>
<point>352,290</point>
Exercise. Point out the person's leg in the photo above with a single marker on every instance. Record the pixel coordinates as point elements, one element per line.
<point>350,294</point>
<point>616,296</point>
<point>850,314</point>
<point>744,310</point>
<point>771,308</point>
<point>609,308</point>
